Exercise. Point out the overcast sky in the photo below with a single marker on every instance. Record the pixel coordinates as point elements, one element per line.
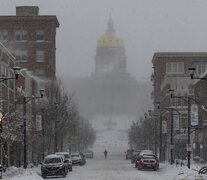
<point>146,26</point>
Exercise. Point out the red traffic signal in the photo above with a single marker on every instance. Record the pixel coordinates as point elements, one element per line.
<point>1,124</point>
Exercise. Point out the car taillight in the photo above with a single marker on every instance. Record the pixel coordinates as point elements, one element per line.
<point>141,161</point>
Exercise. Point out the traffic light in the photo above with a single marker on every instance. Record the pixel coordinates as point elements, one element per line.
<point>1,124</point>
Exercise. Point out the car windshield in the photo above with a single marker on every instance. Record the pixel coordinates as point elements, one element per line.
<point>148,157</point>
<point>52,160</point>
<point>136,152</point>
<point>66,156</point>
<point>75,155</point>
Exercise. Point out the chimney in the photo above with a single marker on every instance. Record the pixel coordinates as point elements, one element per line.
<point>27,11</point>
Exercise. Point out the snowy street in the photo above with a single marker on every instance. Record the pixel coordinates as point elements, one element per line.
<point>113,168</point>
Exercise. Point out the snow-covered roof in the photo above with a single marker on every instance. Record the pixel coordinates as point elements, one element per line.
<point>52,156</point>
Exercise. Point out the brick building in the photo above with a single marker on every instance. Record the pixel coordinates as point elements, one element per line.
<point>201,133</point>
<point>7,87</point>
<point>171,72</point>
<point>31,38</point>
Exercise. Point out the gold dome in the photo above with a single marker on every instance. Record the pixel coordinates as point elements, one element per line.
<point>109,39</point>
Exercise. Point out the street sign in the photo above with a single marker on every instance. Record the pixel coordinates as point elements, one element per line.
<point>194,115</point>
<point>164,127</point>
<point>188,147</point>
<point>176,121</point>
<point>38,122</point>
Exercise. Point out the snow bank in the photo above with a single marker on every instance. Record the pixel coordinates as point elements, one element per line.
<point>13,173</point>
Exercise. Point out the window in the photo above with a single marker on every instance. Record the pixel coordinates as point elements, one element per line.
<point>4,35</point>
<point>3,70</point>
<point>40,56</point>
<point>39,72</point>
<point>21,55</point>
<point>21,35</point>
<point>175,68</point>
<point>200,68</point>
<point>40,35</point>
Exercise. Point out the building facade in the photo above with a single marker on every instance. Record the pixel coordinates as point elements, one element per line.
<point>31,38</point>
<point>171,72</point>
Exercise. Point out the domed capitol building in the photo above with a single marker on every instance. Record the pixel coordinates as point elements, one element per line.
<point>111,90</point>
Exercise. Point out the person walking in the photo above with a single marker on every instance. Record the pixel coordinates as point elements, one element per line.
<point>105,153</point>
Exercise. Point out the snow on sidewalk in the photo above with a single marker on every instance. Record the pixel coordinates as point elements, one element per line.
<point>14,173</point>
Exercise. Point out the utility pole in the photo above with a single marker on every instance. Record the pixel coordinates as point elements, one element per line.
<point>189,126</point>
<point>43,134</point>
<point>156,135</point>
<point>55,138</point>
<point>171,138</point>
<point>25,132</point>
<point>160,138</point>
<point>25,101</point>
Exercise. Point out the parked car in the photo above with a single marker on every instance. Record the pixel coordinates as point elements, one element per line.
<point>53,165</point>
<point>76,159</point>
<point>66,157</point>
<point>135,154</point>
<point>148,161</point>
<point>88,153</point>
<point>83,159</point>
<point>146,151</point>
<point>128,153</point>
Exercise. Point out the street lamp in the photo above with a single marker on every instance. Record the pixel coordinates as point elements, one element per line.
<point>26,100</point>
<point>16,72</point>
<point>155,128</point>
<point>189,122</point>
<point>192,73</point>
<point>55,138</point>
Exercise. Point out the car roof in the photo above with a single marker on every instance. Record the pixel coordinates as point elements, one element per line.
<point>52,156</point>
<point>62,153</point>
<point>146,152</point>
<point>148,155</point>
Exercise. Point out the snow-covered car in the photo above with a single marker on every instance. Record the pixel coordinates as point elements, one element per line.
<point>53,165</point>
<point>66,157</point>
<point>147,161</point>
<point>83,159</point>
<point>146,151</point>
<point>76,159</point>
<point>88,153</point>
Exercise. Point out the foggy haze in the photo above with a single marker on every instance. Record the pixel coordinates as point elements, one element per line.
<point>146,26</point>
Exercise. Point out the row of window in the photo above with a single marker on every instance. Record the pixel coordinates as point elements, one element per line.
<point>175,68</point>
<point>21,35</point>
<point>178,68</point>
<point>22,55</point>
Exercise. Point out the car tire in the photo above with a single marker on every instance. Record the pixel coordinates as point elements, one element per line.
<point>43,176</point>
<point>64,174</point>
<point>139,167</point>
